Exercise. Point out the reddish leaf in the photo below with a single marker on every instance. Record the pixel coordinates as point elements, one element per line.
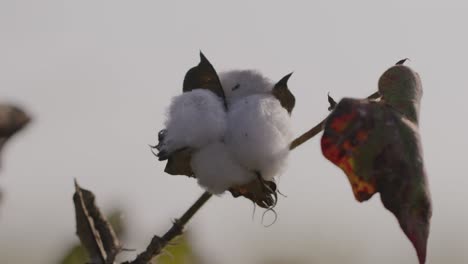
<point>377,145</point>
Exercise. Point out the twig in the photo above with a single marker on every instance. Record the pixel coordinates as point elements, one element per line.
<point>307,135</point>
<point>158,243</point>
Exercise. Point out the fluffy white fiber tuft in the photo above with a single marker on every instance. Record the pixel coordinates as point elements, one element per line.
<point>229,148</point>
<point>259,133</point>
<point>195,119</point>
<point>216,170</point>
<point>238,84</point>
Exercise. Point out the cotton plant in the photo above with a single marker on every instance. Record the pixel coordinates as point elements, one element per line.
<point>231,131</point>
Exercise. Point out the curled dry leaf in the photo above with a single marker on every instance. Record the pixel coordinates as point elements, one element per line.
<point>179,163</point>
<point>377,145</point>
<point>263,193</point>
<point>94,231</point>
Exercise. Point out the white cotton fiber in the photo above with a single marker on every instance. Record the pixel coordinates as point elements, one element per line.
<point>195,119</point>
<point>216,170</point>
<point>259,133</point>
<point>230,145</point>
<point>238,84</point>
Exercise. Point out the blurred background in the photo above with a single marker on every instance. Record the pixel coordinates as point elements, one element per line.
<point>97,76</point>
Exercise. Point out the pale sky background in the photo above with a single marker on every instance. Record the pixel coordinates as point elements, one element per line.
<point>97,76</point>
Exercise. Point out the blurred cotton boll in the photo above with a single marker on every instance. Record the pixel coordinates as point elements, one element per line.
<point>195,119</point>
<point>238,84</point>
<point>217,170</point>
<point>259,134</point>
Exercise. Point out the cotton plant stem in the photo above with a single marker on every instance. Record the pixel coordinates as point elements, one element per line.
<point>158,243</point>
<point>307,135</point>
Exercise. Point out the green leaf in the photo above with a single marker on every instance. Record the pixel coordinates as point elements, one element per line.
<point>75,255</point>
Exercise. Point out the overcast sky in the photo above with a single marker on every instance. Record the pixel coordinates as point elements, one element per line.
<point>97,76</point>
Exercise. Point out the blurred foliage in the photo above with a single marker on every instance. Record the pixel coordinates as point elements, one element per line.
<point>12,120</point>
<point>75,255</point>
<point>178,252</point>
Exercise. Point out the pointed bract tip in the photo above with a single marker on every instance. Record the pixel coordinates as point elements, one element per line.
<point>401,62</point>
<point>331,101</point>
<point>202,57</point>
<point>283,94</point>
<point>76,184</point>
<point>285,79</point>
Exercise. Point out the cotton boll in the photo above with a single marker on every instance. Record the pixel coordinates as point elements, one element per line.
<point>238,84</point>
<point>259,134</point>
<point>216,170</point>
<point>195,119</point>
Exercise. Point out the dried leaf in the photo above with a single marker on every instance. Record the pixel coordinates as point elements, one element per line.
<point>12,120</point>
<point>402,61</point>
<point>179,163</point>
<point>377,145</point>
<point>259,191</point>
<point>203,76</point>
<point>284,95</point>
<point>76,254</point>
<point>332,102</point>
<point>94,231</point>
